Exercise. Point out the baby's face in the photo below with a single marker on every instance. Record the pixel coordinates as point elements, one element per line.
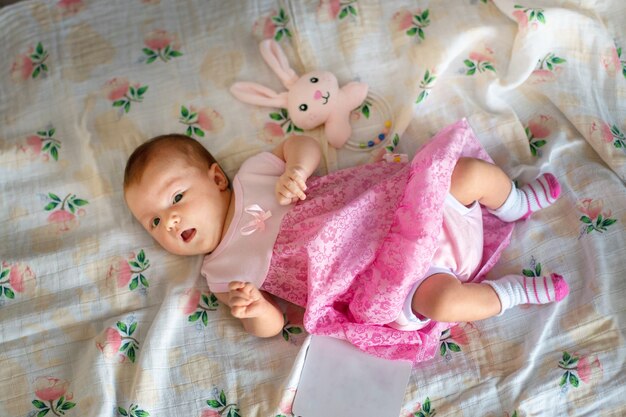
<point>181,205</point>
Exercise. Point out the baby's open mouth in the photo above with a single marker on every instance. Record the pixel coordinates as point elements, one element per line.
<point>188,234</point>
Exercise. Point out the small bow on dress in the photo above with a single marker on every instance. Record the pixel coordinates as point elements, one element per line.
<point>258,223</point>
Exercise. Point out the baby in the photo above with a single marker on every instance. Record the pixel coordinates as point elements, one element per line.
<point>378,254</point>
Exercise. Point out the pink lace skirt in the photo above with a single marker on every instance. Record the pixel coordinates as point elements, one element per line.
<point>351,251</point>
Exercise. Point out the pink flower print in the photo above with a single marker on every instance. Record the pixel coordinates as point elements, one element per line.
<point>538,129</point>
<point>200,121</point>
<point>111,343</point>
<point>265,27</point>
<point>15,278</point>
<point>272,132</point>
<point>32,148</point>
<point>419,21</point>
<point>590,208</point>
<point>552,64</point>
<point>280,22</point>
<point>49,389</point>
<point>604,131</point>
<point>22,67</point>
<point>425,409</point>
<point>44,144</point>
<point>479,60</point>
<point>205,119</point>
<point>333,7</point>
<point>283,118</point>
<point>402,20</point>
<point>116,88</point>
<point>540,126</point>
<point>137,266</point>
<point>611,61</point>
<point>210,413</point>
<point>65,220</point>
<point>479,57</point>
<point>121,93</point>
<point>158,39</point>
<point>189,301</point>
<point>579,367</point>
<point>588,367</point>
<point>161,44</point>
<point>450,340</point>
<point>522,19</point>
<point>31,64</point>
<point>609,134</point>
<point>525,15</point>
<point>120,271</point>
<point>119,339</point>
<point>457,333</point>
<point>196,305</point>
<point>542,76</point>
<point>594,218</point>
<point>70,7</point>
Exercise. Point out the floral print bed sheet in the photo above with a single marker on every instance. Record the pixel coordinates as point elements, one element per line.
<point>96,320</point>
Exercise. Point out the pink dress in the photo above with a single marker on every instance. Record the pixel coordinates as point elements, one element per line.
<point>351,251</point>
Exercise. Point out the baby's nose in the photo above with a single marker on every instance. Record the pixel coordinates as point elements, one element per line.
<point>173,221</point>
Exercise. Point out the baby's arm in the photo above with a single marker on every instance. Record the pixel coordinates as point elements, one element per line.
<point>257,311</point>
<point>302,155</point>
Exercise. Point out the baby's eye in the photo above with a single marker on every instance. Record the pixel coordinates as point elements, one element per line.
<point>303,107</point>
<point>178,197</point>
<point>155,222</point>
<point>314,80</point>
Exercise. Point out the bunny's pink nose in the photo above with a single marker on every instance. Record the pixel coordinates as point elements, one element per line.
<point>317,95</point>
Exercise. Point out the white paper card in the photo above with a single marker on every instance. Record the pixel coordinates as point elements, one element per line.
<point>340,380</point>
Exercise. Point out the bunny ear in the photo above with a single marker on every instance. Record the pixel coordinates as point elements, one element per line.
<point>253,93</point>
<point>277,60</point>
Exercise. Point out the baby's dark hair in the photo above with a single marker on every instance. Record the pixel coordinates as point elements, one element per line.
<point>183,144</point>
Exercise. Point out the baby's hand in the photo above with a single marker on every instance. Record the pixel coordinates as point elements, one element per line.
<point>245,300</point>
<point>291,186</point>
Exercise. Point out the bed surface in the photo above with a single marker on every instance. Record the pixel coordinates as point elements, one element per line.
<point>97,320</point>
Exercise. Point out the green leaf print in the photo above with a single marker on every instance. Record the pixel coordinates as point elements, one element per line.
<point>122,326</point>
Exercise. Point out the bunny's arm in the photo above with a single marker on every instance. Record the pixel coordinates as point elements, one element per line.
<point>354,93</point>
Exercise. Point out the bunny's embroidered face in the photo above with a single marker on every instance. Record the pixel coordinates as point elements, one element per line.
<point>312,98</point>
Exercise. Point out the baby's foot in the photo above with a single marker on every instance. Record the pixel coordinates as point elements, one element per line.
<point>513,290</point>
<point>534,196</point>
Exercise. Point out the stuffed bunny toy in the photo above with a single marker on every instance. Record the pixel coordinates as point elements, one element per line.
<point>311,100</point>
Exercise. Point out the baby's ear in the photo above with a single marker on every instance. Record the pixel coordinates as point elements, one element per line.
<point>259,95</point>
<point>219,176</point>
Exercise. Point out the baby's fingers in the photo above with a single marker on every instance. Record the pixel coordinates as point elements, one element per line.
<point>239,312</point>
<point>296,188</point>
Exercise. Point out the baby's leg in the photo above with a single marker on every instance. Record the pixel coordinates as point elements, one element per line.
<point>442,297</point>
<point>478,180</point>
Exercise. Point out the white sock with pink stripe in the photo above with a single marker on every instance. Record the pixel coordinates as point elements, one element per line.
<point>513,290</point>
<point>522,202</point>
